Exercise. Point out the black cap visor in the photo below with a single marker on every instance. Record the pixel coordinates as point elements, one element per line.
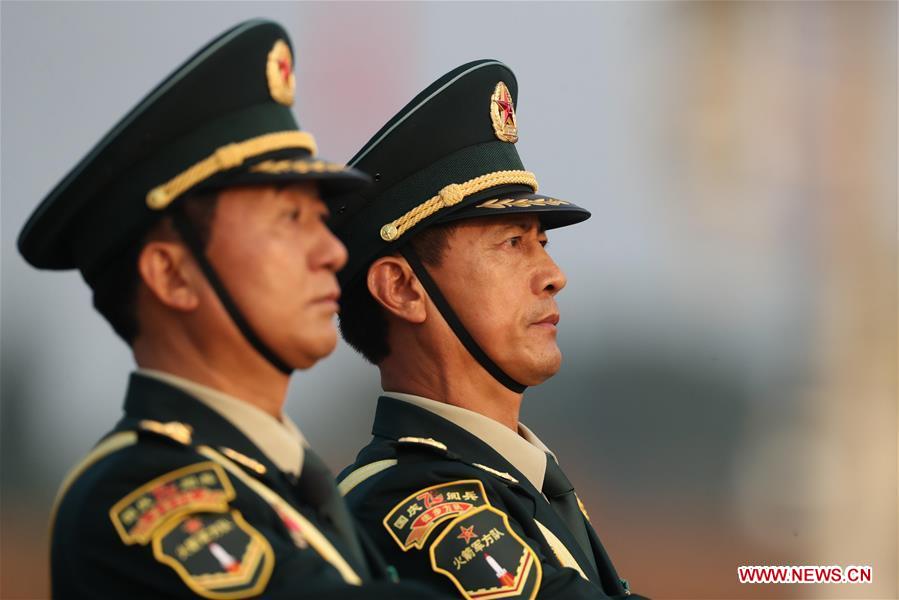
<point>553,212</point>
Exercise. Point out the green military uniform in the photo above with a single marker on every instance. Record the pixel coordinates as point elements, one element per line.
<point>195,493</point>
<point>451,497</point>
<point>179,501</point>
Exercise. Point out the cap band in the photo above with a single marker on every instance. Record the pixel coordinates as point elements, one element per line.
<point>224,158</point>
<point>451,195</point>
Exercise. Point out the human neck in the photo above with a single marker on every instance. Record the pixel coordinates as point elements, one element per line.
<point>462,383</point>
<point>230,371</point>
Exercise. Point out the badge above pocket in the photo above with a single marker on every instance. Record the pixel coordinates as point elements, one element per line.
<point>218,555</point>
<point>485,558</point>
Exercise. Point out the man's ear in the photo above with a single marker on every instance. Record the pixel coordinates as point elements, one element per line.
<point>170,274</point>
<point>393,284</point>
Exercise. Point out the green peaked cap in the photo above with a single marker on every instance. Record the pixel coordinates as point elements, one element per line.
<point>222,118</point>
<point>449,154</point>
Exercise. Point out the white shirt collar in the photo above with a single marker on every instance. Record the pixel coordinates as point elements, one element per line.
<point>281,441</point>
<point>523,450</point>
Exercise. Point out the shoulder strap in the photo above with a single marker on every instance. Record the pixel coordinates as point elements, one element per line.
<point>109,445</point>
<point>362,473</point>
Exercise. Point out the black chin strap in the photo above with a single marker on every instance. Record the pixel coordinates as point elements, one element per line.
<point>455,324</point>
<point>196,247</point>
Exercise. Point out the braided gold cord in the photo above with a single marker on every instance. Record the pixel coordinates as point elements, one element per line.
<point>224,158</point>
<point>451,195</point>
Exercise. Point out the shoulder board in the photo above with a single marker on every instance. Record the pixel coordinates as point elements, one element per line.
<point>440,447</point>
<point>418,441</point>
<point>173,430</point>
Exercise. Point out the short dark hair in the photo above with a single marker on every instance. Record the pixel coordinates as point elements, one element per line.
<point>115,285</point>
<point>363,323</point>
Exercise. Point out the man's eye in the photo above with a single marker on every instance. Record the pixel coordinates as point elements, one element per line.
<point>514,241</point>
<point>293,214</point>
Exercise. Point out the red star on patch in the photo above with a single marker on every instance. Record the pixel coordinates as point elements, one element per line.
<point>192,525</point>
<point>467,533</point>
<point>505,104</point>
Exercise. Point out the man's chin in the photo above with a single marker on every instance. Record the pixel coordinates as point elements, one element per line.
<point>315,349</point>
<point>540,370</point>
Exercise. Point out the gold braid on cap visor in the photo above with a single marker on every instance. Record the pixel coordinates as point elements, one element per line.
<point>227,157</point>
<point>451,195</point>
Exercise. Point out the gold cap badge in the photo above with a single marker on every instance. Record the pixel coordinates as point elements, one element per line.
<point>502,113</point>
<point>279,71</point>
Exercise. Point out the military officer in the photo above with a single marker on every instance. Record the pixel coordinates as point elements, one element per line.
<point>450,292</point>
<point>199,223</point>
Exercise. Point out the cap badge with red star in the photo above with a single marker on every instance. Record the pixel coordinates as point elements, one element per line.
<point>502,113</point>
<point>279,71</point>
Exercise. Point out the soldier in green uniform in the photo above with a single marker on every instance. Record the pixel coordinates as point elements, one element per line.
<point>450,292</point>
<point>199,222</point>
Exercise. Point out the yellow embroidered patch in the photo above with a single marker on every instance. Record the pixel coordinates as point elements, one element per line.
<point>200,487</point>
<point>218,555</point>
<point>411,521</point>
<point>484,557</point>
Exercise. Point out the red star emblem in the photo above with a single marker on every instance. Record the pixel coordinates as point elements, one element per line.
<point>284,67</point>
<point>467,533</point>
<point>505,105</point>
<point>192,525</point>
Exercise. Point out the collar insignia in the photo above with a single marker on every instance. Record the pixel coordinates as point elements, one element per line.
<point>243,459</point>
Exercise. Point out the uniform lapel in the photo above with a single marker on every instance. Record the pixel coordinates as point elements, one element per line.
<point>611,582</point>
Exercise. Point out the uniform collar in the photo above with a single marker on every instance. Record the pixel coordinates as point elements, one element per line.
<point>523,450</point>
<point>280,441</point>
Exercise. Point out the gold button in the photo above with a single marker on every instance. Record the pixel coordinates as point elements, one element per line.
<point>389,232</point>
<point>157,198</point>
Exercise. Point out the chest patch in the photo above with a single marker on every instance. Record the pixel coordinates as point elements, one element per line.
<point>218,555</point>
<point>485,558</point>
<point>200,487</point>
<point>411,521</point>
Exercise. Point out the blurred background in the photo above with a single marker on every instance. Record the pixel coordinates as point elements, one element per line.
<point>728,395</point>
